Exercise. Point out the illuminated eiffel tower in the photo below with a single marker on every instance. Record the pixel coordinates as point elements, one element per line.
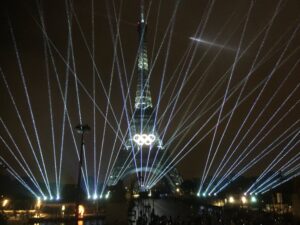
<point>142,132</point>
<point>143,144</point>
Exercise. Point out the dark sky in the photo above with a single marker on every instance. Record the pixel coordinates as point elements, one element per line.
<point>224,26</point>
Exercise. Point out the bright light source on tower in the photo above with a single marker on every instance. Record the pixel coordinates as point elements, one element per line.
<point>144,139</point>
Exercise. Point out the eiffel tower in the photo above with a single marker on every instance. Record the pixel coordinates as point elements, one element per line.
<point>142,132</point>
<point>143,142</point>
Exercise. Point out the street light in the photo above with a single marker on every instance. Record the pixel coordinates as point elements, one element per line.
<point>231,199</point>
<point>5,203</point>
<point>244,200</point>
<point>81,129</point>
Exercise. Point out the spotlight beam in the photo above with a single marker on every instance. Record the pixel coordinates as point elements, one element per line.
<point>74,69</point>
<point>260,93</point>
<point>277,159</point>
<point>273,164</point>
<point>17,176</point>
<point>197,86</point>
<point>244,97</point>
<point>220,168</point>
<point>126,111</point>
<point>155,32</point>
<point>78,80</point>
<point>94,96</point>
<point>65,110</point>
<point>21,155</point>
<point>194,136</point>
<point>51,117</point>
<point>64,97</point>
<point>170,166</point>
<point>249,45</point>
<point>127,94</point>
<point>29,106</point>
<point>282,182</point>
<point>27,172</point>
<point>23,127</point>
<point>241,92</point>
<point>271,147</point>
<point>116,38</point>
<point>157,54</point>
<point>189,64</point>
<point>239,160</point>
<point>97,72</point>
<point>173,19</point>
<point>207,169</point>
<point>282,168</point>
<point>205,20</point>
<point>234,166</point>
<point>267,151</point>
<point>97,175</point>
<point>50,104</point>
<point>258,64</point>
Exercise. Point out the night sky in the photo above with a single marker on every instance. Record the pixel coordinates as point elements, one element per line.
<point>170,27</point>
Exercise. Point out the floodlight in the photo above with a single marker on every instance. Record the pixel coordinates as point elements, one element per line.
<point>253,199</point>
<point>244,199</point>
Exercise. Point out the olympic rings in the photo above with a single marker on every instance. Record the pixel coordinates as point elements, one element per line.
<point>144,139</point>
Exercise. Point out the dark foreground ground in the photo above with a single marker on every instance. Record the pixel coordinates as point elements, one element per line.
<point>174,212</point>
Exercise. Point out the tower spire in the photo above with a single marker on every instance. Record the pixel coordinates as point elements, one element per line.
<point>142,19</point>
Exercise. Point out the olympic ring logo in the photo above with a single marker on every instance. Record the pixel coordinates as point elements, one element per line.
<point>144,139</point>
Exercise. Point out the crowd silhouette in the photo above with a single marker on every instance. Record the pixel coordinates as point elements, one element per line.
<point>210,216</point>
